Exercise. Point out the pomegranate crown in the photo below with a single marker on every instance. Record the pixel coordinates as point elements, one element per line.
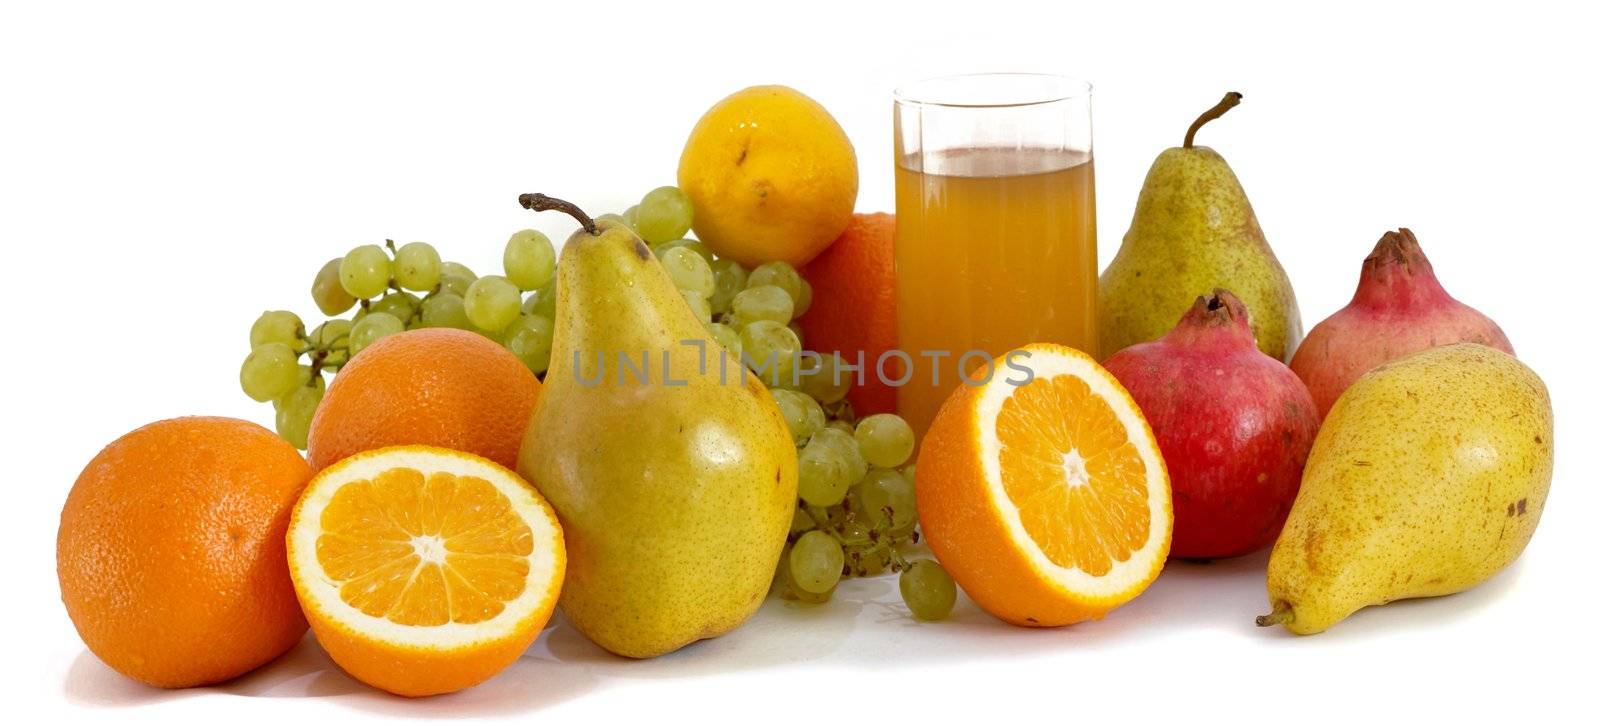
<point>1219,308</point>
<point>1218,316</point>
<point>1397,274</point>
<point>1398,247</point>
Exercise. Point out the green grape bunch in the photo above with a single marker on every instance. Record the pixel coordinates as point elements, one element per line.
<point>856,514</point>
<point>391,290</point>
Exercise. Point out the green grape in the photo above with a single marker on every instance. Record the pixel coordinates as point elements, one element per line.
<point>799,594</point>
<point>785,276</point>
<point>928,590</point>
<point>542,301</point>
<point>615,219</point>
<point>855,534</point>
<point>848,428</point>
<point>269,372</point>
<point>364,271</point>
<point>455,285</point>
<point>801,412</point>
<point>871,563</point>
<point>694,245</point>
<point>802,298</point>
<point>770,349</point>
<point>886,439</point>
<point>492,303</point>
<point>844,443</point>
<point>826,378</point>
<point>530,339</point>
<point>630,216</point>
<point>374,326</point>
<point>328,293</point>
<point>698,304</point>
<point>802,522</point>
<point>799,332</point>
<point>689,271</point>
<point>824,475</point>
<point>498,336</point>
<point>910,472</point>
<point>888,490</point>
<point>728,337</point>
<point>333,336</point>
<point>277,326</point>
<point>417,266</point>
<point>455,278</point>
<point>816,562</point>
<point>445,310</point>
<point>664,214</point>
<point>303,378</point>
<point>294,413</point>
<point>529,259</point>
<point>788,589</point>
<point>402,305</point>
<point>763,302</point>
<point>729,280</point>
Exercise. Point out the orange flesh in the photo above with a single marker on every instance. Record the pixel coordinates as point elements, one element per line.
<point>1084,517</point>
<point>424,551</point>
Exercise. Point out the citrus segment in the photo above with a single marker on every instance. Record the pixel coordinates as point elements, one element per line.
<point>421,551</point>
<point>1044,494</point>
<point>1077,482</point>
<point>424,570</point>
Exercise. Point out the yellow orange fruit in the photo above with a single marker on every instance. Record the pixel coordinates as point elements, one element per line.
<point>436,387</point>
<point>852,306</point>
<point>170,553</point>
<point>424,570</point>
<point>1042,491</point>
<point>771,174</point>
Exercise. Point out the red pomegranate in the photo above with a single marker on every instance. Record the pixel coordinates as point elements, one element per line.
<point>1233,424</point>
<point>1399,309</point>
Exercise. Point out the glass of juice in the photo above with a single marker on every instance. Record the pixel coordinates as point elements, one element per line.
<point>994,228</point>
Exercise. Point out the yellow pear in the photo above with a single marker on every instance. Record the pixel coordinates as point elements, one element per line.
<point>670,466</point>
<point>1428,477</point>
<point>1193,231</point>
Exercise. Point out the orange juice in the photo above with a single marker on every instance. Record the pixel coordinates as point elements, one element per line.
<point>994,249</point>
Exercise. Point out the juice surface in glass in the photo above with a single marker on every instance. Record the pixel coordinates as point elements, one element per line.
<point>994,249</point>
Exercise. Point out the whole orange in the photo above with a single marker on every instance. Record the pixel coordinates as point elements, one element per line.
<point>171,551</point>
<point>852,306</point>
<point>434,386</point>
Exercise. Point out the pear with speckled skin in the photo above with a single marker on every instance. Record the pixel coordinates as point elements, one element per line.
<point>674,478</point>
<point>1428,477</point>
<point>1193,231</point>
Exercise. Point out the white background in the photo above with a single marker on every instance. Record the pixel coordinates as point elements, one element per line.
<point>167,172</point>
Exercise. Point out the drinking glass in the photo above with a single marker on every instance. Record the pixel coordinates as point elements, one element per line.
<point>994,229</point>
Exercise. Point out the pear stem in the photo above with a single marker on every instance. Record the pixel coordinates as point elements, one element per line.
<point>1281,613</point>
<point>541,203</point>
<point>1227,102</point>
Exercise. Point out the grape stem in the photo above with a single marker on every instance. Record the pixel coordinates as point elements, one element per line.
<point>541,203</point>
<point>318,355</point>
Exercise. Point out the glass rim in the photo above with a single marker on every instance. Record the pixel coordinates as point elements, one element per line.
<point>1060,88</point>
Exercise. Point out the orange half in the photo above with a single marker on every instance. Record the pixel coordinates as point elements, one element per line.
<point>1042,491</point>
<point>424,570</point>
